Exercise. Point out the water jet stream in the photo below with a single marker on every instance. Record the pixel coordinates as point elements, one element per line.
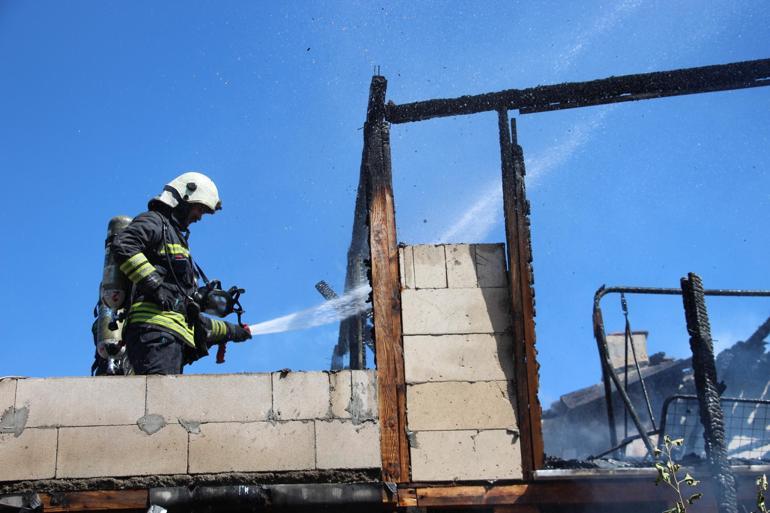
<point>351,303</point>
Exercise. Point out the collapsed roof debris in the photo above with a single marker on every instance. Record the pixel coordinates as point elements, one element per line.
<point>575,426</point>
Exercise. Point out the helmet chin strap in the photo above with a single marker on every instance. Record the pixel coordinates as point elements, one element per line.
<point>182,208</point>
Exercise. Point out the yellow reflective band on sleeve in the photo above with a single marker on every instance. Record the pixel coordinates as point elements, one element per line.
<point>149,313</point>
<point>141,272</point>
<point>218,330</point>
<point>174,249</point>
<point>137,267</point>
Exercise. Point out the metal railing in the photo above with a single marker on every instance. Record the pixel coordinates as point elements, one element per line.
<point>747,427</point>
<point>609,375</point>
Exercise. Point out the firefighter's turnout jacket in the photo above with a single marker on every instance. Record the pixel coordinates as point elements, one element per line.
<point>155,242</point>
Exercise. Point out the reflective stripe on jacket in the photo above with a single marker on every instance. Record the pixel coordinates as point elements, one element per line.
<point>149,313</point>
<point>140,249</point>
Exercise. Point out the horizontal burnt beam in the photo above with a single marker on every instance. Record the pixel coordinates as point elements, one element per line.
<point>602,488</point>
<point>722,77</point>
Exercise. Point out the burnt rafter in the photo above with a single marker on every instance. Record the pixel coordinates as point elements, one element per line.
<point>722,77</point>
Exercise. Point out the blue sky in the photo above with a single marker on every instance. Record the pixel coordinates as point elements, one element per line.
<point>101,103</point>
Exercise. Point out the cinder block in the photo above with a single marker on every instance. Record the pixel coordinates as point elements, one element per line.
<point>340,390</point>
<point>448,311</point>
<point>477,357</point>
<point>110,451</point>
<point>102,401</point>
<point>210,398</point>
<point>31,455</point>
<point>429,267</point>
<point>465,455</point>
<point>301,395</point>
<point>491,268</point>
<point>363,402</point>
<point>7,394</point>
<point>460,405</point>
<point>461,266</point>
<point>252,447</point>
<point>342,444</point>
<point>406,266</point>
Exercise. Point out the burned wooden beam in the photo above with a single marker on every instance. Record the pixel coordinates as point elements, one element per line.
<point>353,330</point>
<point>705,372</point>
<point>624,488</point>
<point>722,77</point>
<point>386,290</point>
<point>517,234</point>
<point>96,500</point>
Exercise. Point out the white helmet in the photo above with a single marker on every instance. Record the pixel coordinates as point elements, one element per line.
<point>191,188</point>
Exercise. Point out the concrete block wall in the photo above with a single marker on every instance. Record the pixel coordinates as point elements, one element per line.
<point>458,358</point>
<point>461,415</point>
<point>133,426</point>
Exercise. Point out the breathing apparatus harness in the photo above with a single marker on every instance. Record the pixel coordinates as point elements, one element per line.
<point>211,298</point>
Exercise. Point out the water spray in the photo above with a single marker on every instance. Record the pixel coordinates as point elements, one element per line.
<point>351,303</point>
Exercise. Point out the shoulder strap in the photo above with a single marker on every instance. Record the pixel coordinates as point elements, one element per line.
<point>202,274</point>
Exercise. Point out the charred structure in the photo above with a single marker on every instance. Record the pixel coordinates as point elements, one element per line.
<point>375,253</point>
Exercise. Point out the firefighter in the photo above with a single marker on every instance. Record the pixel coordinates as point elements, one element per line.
<point>164,329</point>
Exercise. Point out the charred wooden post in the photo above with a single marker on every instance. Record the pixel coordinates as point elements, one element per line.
<point>358,256</point>
<point>516,210</point>
<point>527,284</point>
<point>711,414</point>
<point>386,290</point>
<point>723,77</point>
<point>353,329</point>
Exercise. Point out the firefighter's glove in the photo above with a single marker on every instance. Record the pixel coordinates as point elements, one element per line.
<point>237,333</point>
<point>151,287</point>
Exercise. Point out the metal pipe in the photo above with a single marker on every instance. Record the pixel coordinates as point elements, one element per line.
<point>242,498</point>
<point>628,335</point>
<point>603,291</point>
<point>601,341</point>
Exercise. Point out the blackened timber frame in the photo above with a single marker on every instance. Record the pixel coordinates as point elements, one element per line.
<point>386,287</point>
<point>723,77</point>
<point>518,243</point>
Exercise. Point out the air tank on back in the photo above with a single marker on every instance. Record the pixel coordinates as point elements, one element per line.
<point>113,294</point>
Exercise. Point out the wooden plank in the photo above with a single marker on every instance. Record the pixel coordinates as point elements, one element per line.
<point>397,340</point>
<point>518,240</point>
<point>600,490</point>
<point>516,278</point>
<point>407,498</point>
<point>543,493</point>
<point>386,292</point>
<point>100,500</point>
<point>723,77</point>
<point>526,283</point>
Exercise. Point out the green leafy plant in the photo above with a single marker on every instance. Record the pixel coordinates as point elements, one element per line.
<point>761,489</point>
<point>668,473</point>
